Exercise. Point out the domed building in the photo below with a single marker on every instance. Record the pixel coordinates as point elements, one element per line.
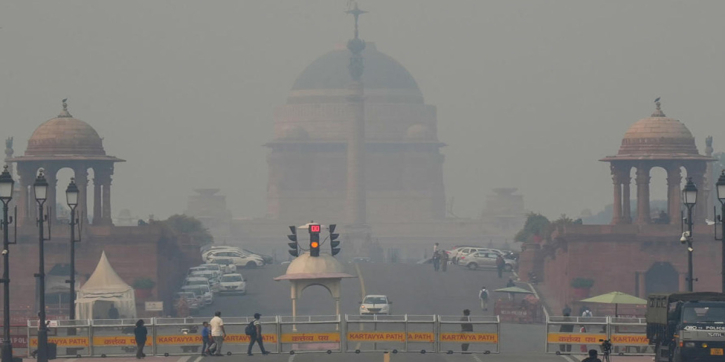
<point>307,162</point>
<point>656,141</point>
<point>66,142</point>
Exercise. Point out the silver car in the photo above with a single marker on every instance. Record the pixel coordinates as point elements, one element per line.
<point>483,259</point>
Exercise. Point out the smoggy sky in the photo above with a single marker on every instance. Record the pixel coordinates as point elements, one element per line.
<point>530,94</point>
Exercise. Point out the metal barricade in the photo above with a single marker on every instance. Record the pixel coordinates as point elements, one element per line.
<point>472,334</point>
<point>310,334</point>
<point>371,333</point>
<point>175,336</point>
<point>72,338</point>
<point>564,334</point>
<point>115,337</point>
<point>629,336</point>
<point>421,332</point>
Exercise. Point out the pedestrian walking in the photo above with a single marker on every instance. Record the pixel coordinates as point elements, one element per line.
<point>435,248</point>
<point>593,356</point>
<point>256,336</point>
<point>483,295</point>
<point>444,260</point>
<point>466,327</point>
<point>500,264</point>
<point>583,347</point>
<point>436,261</point>
<point>217,332</point>
<point>140,333</point>
<point>566,328</point>
<point>205,338</point>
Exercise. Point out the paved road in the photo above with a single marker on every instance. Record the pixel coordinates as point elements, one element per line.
<point>414,290</point>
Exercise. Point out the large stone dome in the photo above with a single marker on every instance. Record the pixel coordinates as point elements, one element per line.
<point>658,135</point>
<point>65,135</point>
<point>330,71</point>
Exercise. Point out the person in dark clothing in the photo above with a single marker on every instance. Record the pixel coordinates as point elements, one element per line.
<point>592,356</point>
<point>444,260</point>
<point>566,311</point>
<point>113,312</point>
<point>500,264</point>
<point>140,332</point>
<point>466,327</point>
<point>566,328</point>
<point>205,338</point>
<point>436,260</point>
<point>257,337</point>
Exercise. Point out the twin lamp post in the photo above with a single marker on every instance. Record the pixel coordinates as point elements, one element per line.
<point>40,188</point>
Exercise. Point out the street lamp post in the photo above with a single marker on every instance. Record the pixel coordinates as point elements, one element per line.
<point>41,193</point>
<point>71,196</point>
<point>6,194</point>
<point>689,196</point>
<point>721,196</point>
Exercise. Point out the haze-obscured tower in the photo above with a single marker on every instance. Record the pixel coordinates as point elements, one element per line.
<point>347,155</point>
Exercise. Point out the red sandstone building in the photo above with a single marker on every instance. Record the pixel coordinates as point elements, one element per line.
<point>634,254</point>
<point>149,251</point>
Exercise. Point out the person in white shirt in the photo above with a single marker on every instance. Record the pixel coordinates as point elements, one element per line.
<point>217,332</point>
<point>483,295</point>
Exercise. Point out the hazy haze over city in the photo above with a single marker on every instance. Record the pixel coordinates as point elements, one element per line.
<point>530,94</point>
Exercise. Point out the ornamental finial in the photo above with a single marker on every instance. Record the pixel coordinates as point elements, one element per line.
<point>355,45</point>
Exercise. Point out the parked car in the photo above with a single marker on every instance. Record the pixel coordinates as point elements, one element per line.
<point>211,266</point>
<point>268,259</point>
<point>375,304</point>
<point>191,299</point>
<point>211,275</point>
<point>483,259</point>
<point>239,259</point>
<point>233,284</point>
<point>227,265</point>
<point>455,254</point>
<point>207,296</point>
<point>220,249</point>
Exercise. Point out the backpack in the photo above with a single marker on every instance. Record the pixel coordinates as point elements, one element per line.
<point>483,294</point>
<point>250,330</point>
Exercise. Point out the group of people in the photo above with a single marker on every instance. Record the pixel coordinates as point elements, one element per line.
<point>585,312</point>
<point>213,334</point>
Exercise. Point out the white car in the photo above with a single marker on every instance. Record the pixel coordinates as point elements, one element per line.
<point>220,249</point>
<point>239,259</point>
<point>458,253</point>
<point>204,291</point>
<point>482,259</point>
<point>233,284</point>
<point>225,265</point>
<point>211,275</point>
<point>375,304</point>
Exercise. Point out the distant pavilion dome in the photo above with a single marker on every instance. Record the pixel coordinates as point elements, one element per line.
<point>65,135</point>
<point>658,136</point>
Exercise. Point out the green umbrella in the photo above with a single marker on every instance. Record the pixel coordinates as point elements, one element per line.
<point>615,298</point>
<point>514,290</point>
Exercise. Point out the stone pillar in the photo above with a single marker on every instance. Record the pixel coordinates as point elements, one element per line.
<point>24,206</point>
<point>674,180</point>
<point>643,194</point>
<point>50,203</point>
<point>642,285</point>
<point>107,219</point>
<point>97,213</point>
<point>81,176</point>
<point>699,212</point>
<point>356,201</point>
<point>617,205</point>
<point>626,201</point>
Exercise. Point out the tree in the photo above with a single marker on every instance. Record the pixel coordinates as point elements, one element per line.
<point>535,228</point>
<point>182,224</point>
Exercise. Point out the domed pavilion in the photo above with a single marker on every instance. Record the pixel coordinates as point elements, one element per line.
<point>66,142</point>
<point>403,178</point>
<point>656,141</point>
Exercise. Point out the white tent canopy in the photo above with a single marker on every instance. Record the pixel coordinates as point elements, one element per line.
<point>103,289</point>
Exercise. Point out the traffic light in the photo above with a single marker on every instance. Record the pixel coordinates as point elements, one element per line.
<point>334,243</point>
<point>314,239</point>
<point>294,246</point>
